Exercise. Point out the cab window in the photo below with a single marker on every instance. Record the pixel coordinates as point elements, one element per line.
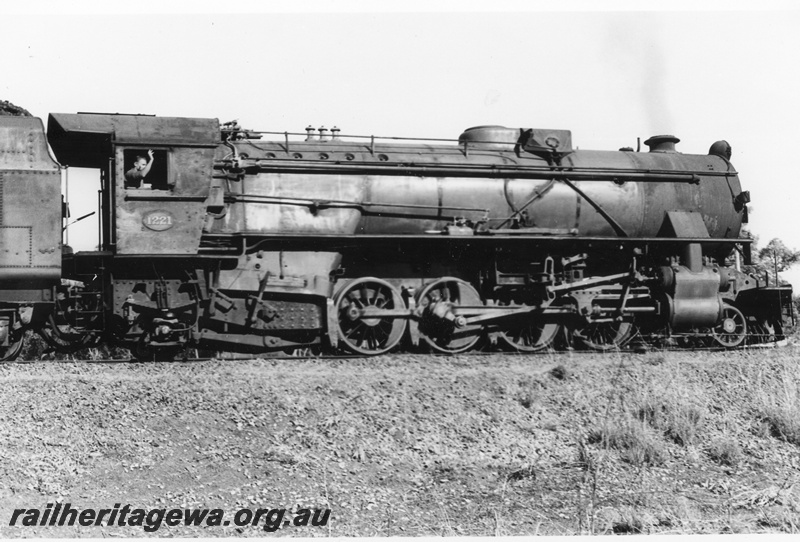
<point>144,172</point>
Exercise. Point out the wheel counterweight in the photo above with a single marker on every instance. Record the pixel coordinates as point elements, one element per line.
<point>441,325</point>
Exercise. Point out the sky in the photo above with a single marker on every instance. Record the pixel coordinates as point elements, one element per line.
<point>608,71</point>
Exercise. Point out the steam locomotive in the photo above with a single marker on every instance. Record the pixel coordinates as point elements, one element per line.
<point>257,242</point>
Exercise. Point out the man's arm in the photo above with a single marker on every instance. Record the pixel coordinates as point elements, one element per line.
<point>146,169</point>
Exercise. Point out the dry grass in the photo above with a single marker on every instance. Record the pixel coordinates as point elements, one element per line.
<point>643,409</point>
<point>636,442</point>
<point>516,445</point>
<point>777,399</point>
<point>681,411</point>
<point>725,450</point>
<point>675,409</point>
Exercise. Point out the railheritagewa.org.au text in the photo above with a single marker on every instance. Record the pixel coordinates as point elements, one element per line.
<point>269,519</point>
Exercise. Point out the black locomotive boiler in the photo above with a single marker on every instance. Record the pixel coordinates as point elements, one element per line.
<point>269,242</point>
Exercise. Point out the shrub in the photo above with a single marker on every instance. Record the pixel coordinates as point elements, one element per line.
<point>778,400</point>
<point>559,372</point>
<point>782,422</point>
<point>725,451</point>
<point>674,409</point>
<point>679,421</point>
<point>634,439</point>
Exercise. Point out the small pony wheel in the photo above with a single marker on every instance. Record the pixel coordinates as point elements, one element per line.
<point>731,330</point>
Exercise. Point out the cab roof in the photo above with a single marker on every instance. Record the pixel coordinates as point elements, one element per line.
<point>86,139</point>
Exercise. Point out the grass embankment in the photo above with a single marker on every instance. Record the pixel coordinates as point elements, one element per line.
<point>414,445</point>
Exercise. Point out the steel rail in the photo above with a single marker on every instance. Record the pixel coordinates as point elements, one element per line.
<point>629,349</point>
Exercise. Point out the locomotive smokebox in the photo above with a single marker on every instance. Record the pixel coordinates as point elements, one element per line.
<point>662,143</point>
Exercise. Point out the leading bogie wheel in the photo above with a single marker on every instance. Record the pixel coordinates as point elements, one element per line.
<point>765,331</point>
<point>731,330</point>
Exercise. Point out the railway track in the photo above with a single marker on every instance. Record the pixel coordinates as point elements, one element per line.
<point>305,354</point>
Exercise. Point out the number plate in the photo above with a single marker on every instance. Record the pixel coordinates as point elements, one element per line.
<point>158,220</point>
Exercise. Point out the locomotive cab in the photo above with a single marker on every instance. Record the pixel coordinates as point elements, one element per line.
<point>150,224</point>
<point>161,214</point>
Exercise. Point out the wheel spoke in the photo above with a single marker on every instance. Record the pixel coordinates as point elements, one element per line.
<point>604,336</point>
<point>362,333</point>
<point>731,331</point>
<point>355,328</point>
<point>530,335</point>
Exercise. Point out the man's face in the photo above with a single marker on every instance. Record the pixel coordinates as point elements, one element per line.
<point>140,164</point>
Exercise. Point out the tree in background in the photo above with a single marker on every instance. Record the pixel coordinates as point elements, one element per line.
<point>10,110</point>
<point>775,258</point>
<point>772,260</point>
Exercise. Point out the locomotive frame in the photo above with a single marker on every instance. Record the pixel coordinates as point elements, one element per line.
<point>506,237</point>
